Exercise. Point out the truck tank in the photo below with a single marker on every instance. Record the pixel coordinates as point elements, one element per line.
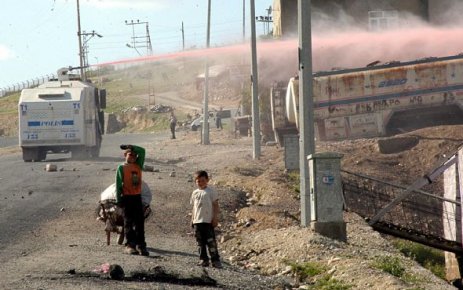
<point>376,101</point>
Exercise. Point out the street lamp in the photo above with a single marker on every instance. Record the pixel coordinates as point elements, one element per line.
<point>86,38</point>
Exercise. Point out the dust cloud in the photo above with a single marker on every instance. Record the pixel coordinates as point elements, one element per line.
<point>339,42</point>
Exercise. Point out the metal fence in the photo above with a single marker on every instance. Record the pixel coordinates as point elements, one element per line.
<point>5,91</point>
<point>419,217</point>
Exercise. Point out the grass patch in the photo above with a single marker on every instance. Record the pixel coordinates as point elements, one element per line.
<point>315,274</point>
<point>9,104</point>
<point>391,265</point>
<point>429,258</point>
<point>326,282</point>
<point>248,171</point>
<point>294,181</point>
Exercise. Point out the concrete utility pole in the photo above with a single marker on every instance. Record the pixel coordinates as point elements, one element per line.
<point>306,121</point>
<point>244,20</point>
<point>255,88</point>
<point>205,132</point>
<point>183,37</point>
<point>81,56</point>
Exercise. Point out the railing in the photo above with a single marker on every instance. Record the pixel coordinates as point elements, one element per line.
<point>5,91</point>
<point>419,217</point>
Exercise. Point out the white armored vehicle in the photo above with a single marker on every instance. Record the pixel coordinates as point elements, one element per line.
<point>61,115</point>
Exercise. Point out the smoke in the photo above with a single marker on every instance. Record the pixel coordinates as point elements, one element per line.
<point>339,41</point>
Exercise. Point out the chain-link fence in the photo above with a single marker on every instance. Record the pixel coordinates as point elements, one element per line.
<point>5,91</point>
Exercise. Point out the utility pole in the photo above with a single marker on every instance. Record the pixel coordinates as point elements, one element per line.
<point>266,20</point>
<point>146,40</point>
<point>255,88</point>
<point>205,135</point>
<point>81,60</point>
<point>244,20</point>
<point>183,37</point>
<point>306,120</point>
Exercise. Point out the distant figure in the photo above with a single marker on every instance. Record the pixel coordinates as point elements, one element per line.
<point>218,119</point>
<point>173,124</point>
<point>204,218</point>
<point>128,197</point>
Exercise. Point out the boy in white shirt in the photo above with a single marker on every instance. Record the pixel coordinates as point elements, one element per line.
<point>205,216</point>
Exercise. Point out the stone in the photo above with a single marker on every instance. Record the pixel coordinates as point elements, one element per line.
<point>116,272</point>
<point>148,168</point>
<point>50,167</point>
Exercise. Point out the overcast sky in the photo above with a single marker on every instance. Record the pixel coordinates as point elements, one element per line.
<point>39,37</point>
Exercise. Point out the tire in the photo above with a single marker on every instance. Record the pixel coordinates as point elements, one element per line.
<point>194,128</point>
<point>30,154</point>
<point>42,154</point>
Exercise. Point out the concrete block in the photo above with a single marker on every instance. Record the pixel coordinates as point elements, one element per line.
<point>332,230</point>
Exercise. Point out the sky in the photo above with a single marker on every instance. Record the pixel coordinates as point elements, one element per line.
<point>37,37</point>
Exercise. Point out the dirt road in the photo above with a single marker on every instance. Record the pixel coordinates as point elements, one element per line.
<point>50,239</point>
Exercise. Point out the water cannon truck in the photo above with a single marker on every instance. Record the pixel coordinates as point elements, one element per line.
<point>376,100</point>
<point>62,115</point>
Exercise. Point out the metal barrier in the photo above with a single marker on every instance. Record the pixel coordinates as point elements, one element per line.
<point>419,217</point>
<point>5,91</point>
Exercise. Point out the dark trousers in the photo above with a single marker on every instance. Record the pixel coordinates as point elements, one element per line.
<point>172,130</point>
<point>134,221</point>
<point>218,123</point>
<point>205,238</point>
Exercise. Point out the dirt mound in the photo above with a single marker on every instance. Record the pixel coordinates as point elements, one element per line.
<point>267,236</point>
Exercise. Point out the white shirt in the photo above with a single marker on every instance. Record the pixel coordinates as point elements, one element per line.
<point>202,200</point>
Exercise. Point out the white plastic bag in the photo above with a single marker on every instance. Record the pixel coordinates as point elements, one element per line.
<point>109,194</point>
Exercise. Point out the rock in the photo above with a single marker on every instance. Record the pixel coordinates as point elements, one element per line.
<point>50,167</point>
<point>148,168</point>
<point>116,272</point>
<point>225,238</point>
<point>172,174</point>
<point>396,144</point>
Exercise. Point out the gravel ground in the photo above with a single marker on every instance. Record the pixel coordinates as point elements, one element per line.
<point>259,232</point>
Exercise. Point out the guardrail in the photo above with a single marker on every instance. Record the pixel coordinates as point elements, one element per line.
<point>5,91</point>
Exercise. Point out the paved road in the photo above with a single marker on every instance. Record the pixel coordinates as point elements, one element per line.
<point>30,196</point>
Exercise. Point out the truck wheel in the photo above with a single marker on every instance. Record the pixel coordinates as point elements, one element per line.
<point>42,155</point>
<point>194,128</point>
<point>30,154</point>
